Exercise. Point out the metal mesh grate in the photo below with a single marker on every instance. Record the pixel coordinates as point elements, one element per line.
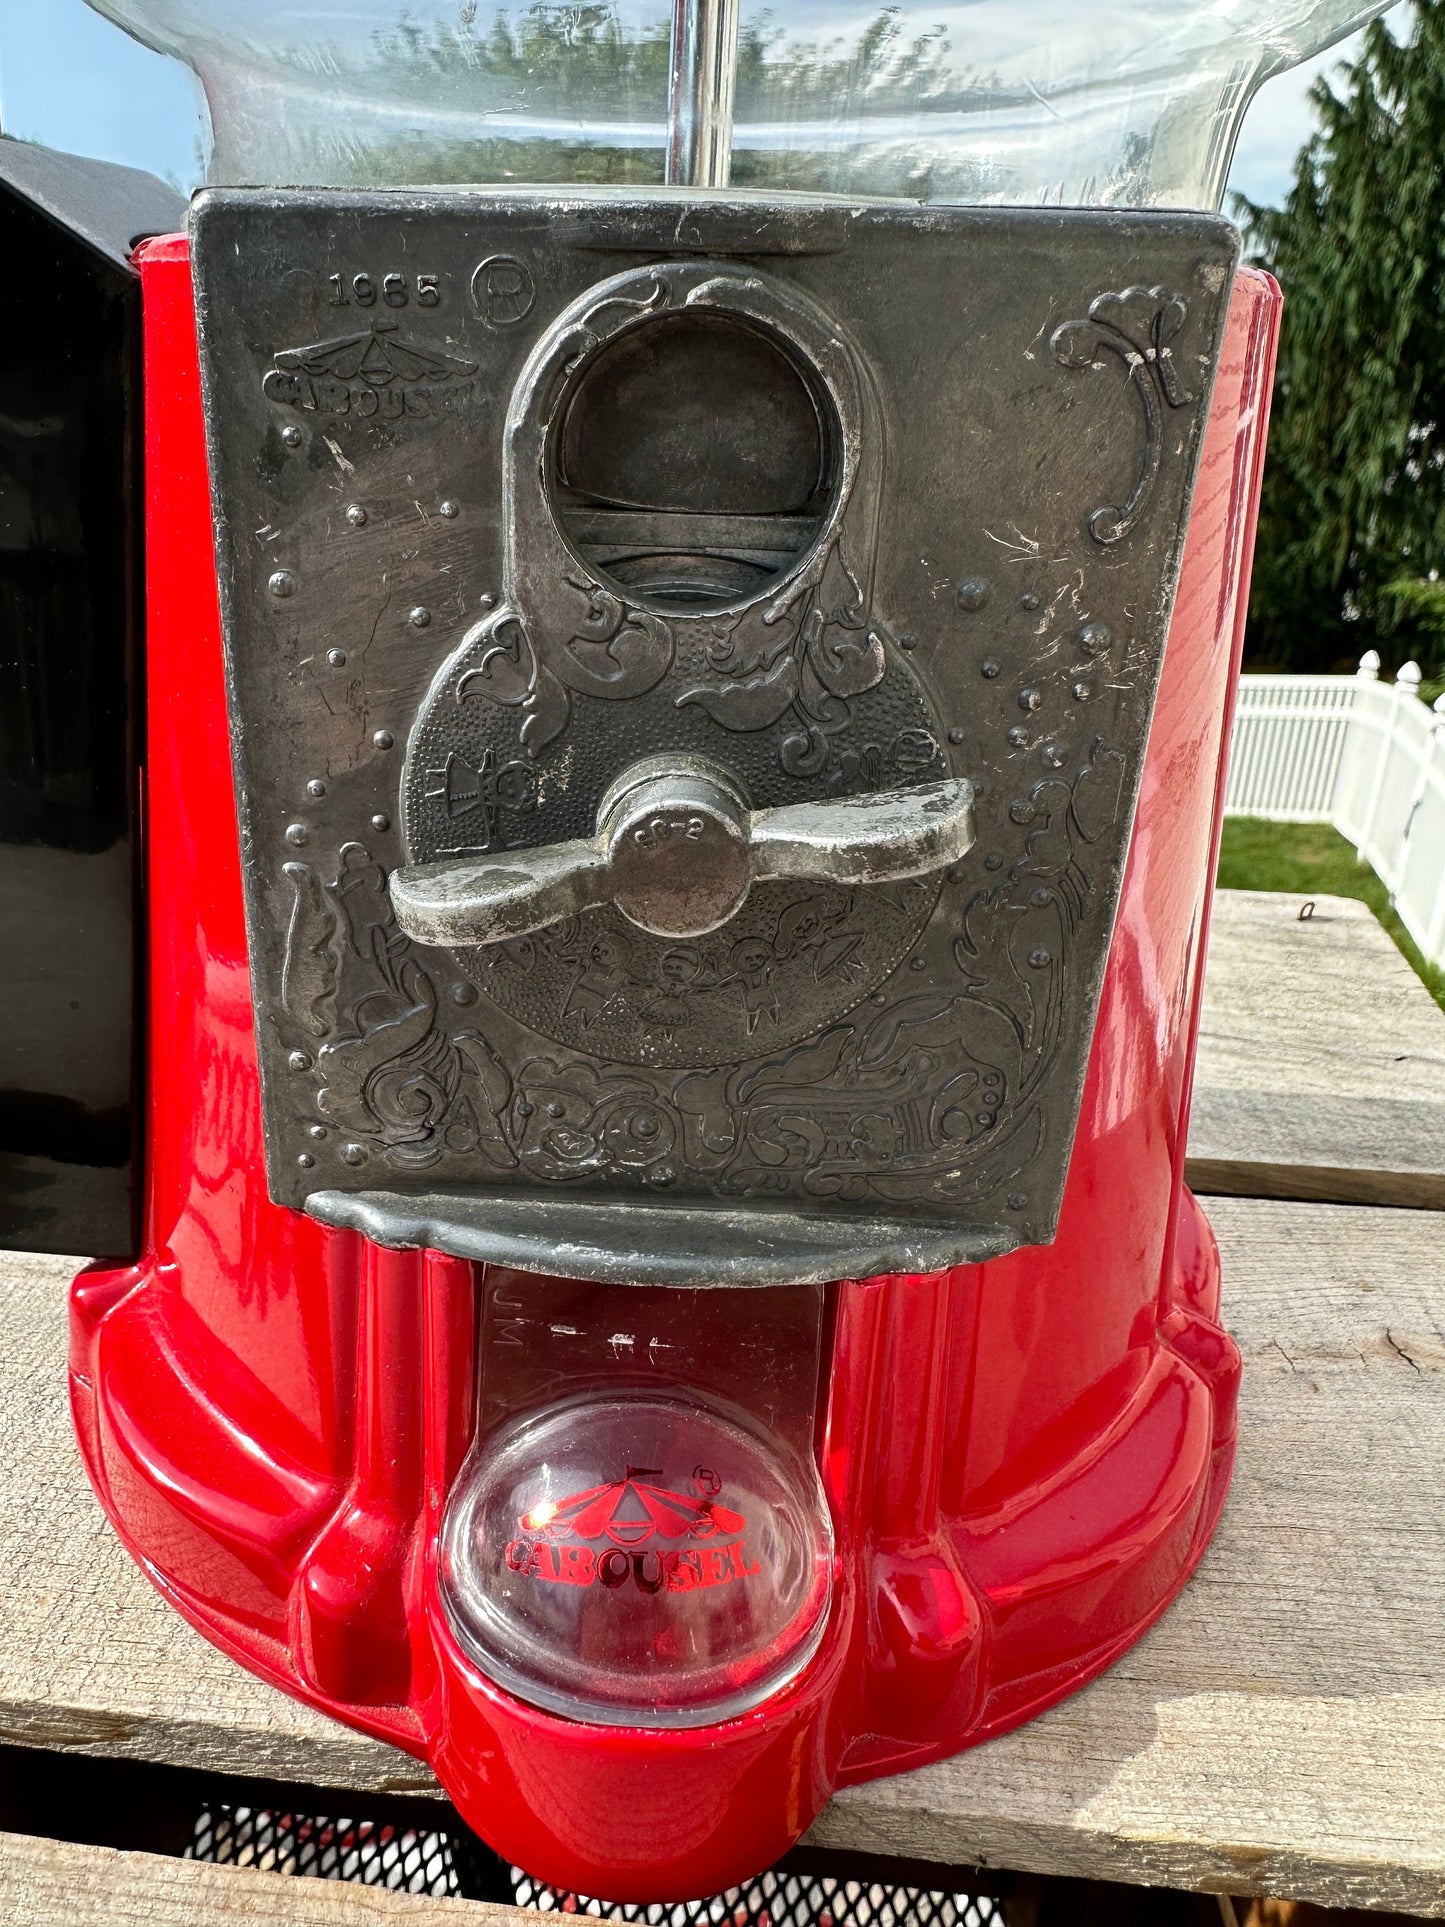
<point>367,1851</point>
<point>438,1863</point>
<point>781,1900</point>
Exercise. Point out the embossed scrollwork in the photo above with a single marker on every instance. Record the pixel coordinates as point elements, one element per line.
<point>1014,947</point>
<point>1139,326</point>
<point>613,652</point>
<point>807,652</point>
<point>393,1079</point>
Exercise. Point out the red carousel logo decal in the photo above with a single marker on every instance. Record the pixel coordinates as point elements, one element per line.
<point>626,1521</point>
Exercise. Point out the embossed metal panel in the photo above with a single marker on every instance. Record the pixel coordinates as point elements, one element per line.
<point>528,505</point>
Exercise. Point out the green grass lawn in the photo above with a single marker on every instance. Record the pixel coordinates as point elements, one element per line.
<point>1312,860</point>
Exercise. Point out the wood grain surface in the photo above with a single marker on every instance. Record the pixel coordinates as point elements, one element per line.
<point>49,1883</point>
<point>90,1656</point>
<point>1282,1730</point>
<point>1321,1070</point>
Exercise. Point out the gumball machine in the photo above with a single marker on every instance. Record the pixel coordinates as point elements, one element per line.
<point>695,569</point>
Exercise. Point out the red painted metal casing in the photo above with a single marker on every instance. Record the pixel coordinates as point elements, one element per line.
<point>1024,1459</point>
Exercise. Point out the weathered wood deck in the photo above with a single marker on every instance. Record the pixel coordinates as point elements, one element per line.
<point>50,1883</point>
<point>1321,1068</point>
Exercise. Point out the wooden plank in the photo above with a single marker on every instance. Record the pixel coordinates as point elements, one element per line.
<point>90,1657</point>
<point>1282,1730</point>
<point>1321,1068</point>
<point>50,1883</point>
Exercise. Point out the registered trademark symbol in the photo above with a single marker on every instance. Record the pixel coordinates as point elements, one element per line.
<point>503,290</point>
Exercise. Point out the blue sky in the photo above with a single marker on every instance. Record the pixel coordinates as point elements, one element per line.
<point>72,80</point>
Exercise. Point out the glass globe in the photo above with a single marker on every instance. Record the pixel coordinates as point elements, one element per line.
<point>1023,102</point>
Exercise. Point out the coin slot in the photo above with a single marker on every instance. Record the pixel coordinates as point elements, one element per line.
<point>695,462</point>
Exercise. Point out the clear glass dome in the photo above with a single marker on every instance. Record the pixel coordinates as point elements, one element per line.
<point>1023,102</point>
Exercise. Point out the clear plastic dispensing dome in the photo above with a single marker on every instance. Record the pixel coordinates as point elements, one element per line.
<point>1019,102</point>
<point>639,1558</point>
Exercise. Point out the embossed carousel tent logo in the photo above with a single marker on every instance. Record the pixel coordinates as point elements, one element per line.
<point>624,1520</point>
<point>375,373</point>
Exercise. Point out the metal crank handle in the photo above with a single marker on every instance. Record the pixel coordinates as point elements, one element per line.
<point>677,849</point>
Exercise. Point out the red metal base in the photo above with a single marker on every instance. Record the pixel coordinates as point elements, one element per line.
<point>1024,1459</point>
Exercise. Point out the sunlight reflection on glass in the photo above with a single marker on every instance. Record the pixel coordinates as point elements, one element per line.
<point>1032,102</point>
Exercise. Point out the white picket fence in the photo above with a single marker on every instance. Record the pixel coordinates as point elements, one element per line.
<point>1362,754</point>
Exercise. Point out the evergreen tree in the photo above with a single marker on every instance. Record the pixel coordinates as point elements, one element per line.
<point>1351,548</point>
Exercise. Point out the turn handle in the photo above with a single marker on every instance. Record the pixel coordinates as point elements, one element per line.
<point>677,849</point>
